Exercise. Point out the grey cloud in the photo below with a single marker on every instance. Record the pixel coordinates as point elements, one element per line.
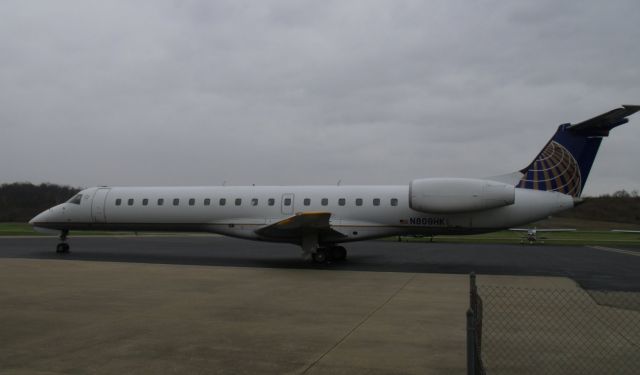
<point>290,92</point>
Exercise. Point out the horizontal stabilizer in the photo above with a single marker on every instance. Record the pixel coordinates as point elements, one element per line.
<point>602,124</point>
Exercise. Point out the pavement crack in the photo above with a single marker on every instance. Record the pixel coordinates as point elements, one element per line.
<point>360,324</point>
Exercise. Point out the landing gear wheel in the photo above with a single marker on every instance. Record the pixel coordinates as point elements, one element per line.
<point>320,256</point>
<point>339,253</point>
<point>62,248</point>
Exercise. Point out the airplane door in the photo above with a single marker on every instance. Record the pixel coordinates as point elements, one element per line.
<point>287,204</point>
<point>98,205</point>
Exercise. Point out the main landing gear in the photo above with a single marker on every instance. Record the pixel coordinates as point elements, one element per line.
<point>328,254</point>
<point>63,246</point>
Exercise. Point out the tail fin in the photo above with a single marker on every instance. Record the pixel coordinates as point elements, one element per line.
<point>564,163</point>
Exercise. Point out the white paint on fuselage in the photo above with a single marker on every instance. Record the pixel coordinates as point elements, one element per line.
<point>354,222</point>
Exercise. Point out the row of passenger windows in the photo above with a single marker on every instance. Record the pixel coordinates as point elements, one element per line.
<point>255,201</point>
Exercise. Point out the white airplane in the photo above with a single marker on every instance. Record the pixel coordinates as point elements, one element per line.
<point>320,218</point>
<point>532,233</point>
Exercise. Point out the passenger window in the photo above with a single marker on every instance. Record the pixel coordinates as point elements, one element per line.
<point>207,202</point>
<point>118,202</point>
<point>376,201</point>
<point>223,201</point>
<point>254,201</point>
<point>145,202</point>
<point>324,201</point>
<point>287,201</point>
<point>130,202</point>
<point>160,201</point>
<point>176,201</point>
<point>76,199</point>
<point>271,201</point>
<point>307,201</point>
<point>394,201</point>
<point>358,201</point>
<point>342,201</point>
<point>192,201</point>
<point>238,201</point>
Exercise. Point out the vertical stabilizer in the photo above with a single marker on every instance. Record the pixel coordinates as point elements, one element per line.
<point>564,163</point>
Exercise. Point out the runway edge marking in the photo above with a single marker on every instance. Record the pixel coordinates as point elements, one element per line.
<point>614,250</point>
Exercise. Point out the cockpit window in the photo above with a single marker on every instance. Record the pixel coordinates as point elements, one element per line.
<point>76,199</point>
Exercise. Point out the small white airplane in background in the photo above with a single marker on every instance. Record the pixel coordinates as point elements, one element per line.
<point>532,233</point>
<point>625,231</point>
<point>320,218</point>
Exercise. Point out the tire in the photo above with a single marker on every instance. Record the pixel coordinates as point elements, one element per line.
<point>320,256</point>
<point>62,248</point>
<point>339,253</point>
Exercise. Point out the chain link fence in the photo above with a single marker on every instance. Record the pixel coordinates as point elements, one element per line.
<point>559,331</point>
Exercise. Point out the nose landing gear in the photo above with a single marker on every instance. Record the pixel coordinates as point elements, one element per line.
<point>63,246</point>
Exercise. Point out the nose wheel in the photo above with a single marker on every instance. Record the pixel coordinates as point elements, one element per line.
<point>63,246</point>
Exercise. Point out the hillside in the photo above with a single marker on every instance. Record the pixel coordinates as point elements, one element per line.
<point>615,209</point>
<point>601,213</point>
<point>21,201</point>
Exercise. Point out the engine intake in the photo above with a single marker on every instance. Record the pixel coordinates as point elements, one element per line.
<point>456,195</point>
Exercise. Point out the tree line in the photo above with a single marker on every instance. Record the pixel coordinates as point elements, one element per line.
<point>21,201</point>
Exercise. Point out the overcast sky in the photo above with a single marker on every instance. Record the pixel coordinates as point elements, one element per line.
<point>309,92</point>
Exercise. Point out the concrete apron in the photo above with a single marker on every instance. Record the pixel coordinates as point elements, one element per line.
<point>59,316</point>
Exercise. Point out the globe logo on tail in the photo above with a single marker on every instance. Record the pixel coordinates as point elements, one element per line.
<point>555,169</point>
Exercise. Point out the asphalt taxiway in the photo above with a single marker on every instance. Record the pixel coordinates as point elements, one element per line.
<point>601,268</point>
<point>206,304</point>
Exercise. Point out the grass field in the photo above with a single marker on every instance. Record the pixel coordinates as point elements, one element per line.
<point>17,229</point>
<point>588,236</point>
<point>578,238</point>
<point>24,229</point>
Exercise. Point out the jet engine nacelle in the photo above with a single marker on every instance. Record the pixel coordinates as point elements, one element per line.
<point>456,195</point>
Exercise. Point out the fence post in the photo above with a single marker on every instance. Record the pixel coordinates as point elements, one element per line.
<point>472,291</point>
<point>471,345</point>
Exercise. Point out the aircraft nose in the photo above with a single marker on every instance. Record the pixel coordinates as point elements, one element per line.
<point>38,218</point>
<point>45,217</point>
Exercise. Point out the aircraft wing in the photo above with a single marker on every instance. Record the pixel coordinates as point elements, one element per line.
<point>299,224</point>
